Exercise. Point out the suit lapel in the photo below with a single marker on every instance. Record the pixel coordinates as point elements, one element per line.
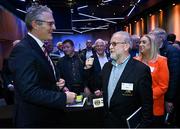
<point>127,71</point>
<point>106,81</point>
<point>36,48</point>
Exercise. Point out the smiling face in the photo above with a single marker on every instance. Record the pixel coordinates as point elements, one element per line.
<point>43,27</point>
<point>145,45</point>
<point>100,47</point>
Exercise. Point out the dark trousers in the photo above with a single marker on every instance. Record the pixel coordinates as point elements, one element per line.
<point>158,122</point>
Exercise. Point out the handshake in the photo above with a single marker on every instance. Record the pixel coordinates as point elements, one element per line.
<point>70,96</point>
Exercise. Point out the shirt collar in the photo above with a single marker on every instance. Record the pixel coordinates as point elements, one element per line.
<point>114,63</point>
<point>101,56</point>
<point>40,43</point>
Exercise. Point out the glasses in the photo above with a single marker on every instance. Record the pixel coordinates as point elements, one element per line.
<point>115,43</point>
<point>50,23</point>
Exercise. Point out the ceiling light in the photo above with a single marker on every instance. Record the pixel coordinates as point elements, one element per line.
<point>90,16</point>
<point>131,11</point>
<point>82,7</point>
<point>105,1</point>
<point>21,10</point>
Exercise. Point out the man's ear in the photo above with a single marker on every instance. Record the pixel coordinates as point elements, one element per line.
<point>127,46</point>
<point>34,25</point>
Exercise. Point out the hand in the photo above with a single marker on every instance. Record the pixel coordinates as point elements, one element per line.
<point>98,93</point>
<point>169,107</point>
<point>70,97</point>
<point>87,92</point>
<point>11,87</point>
<point>89,63</point>
<point>60,83</point>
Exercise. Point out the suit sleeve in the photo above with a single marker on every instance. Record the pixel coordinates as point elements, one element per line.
<point>146,97</point>
<point>23,65</point>
<point>6,74</point>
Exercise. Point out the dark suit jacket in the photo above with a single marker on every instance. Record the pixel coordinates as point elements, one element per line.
<point>94,73</point>
<point>121,104</point>
<point>38,101</point>
<point>6,74</point>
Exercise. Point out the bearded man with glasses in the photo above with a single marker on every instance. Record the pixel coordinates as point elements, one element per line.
<point>126,85</point>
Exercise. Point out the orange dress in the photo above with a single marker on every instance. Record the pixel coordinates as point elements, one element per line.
<point>160,80</point>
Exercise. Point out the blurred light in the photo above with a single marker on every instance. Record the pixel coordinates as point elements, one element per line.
<point>160,10</point>
<point>150,15</point>
<point>21,11</point>
<point>81,7</point>
<point>173,4</point>
<point>131,11</point>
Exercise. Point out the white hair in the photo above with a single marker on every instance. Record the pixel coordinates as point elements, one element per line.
<point>99,40</point>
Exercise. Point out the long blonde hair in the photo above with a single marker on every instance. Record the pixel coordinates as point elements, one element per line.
<point>154,48</point>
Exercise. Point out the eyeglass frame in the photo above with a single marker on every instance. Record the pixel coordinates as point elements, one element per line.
<point>50,23</point>
<point>115,43</point>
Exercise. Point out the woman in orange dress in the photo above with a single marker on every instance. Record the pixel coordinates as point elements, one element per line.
<point>159,72</point>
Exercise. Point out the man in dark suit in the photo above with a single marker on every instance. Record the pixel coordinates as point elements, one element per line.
<point>126,85</point>
<point>88,51</point>
<point>100,58</point>
<point>38,99</point>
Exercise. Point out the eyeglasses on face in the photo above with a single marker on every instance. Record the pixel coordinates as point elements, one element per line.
<point>115,43</point>
<point>50,23</point>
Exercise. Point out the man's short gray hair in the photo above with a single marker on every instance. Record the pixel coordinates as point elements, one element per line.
<point>35,13</point>
<point>99,40</point>
<point>127,37</point>
<point>160,33</point>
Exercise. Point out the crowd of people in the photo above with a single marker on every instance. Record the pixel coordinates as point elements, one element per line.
<point>128,72</point>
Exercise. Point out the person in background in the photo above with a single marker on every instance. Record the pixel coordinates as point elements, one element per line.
<point>173,58</point>
<point>39,101</point>
<point>160,75</point>
<point>107,46</point>
<point>88,51</point>
<point>100,58</point>
<point>60,51</point>
<point>177,44</point>
<point>7,79</point>
<point>126,85</point>
<point>70,67</point>
<point>135,48</point>
<point>171,38</point>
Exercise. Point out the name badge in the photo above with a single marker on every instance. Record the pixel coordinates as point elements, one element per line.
<point>98,102</point>
<point>127,86</point>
